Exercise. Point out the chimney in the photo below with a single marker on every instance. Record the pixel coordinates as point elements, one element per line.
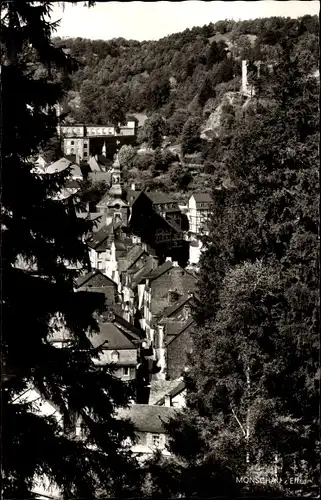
<point>160,337</point>
<point>133,186</point>
<point>168,259</point>
<point>167,400</point>
<point>175,263</point>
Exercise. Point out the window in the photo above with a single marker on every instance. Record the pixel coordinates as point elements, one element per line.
<point>126,371</point>
<point>85,145</point>
<point>156,440</point>
<point>72,142</point>
<point>85,154</point>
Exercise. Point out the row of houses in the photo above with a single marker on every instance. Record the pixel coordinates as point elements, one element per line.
<point>142,258</point>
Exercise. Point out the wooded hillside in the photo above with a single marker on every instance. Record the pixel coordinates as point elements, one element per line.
<point>177,75</point>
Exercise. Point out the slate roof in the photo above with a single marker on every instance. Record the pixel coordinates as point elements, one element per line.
<point>104,161</point>
<point>140,275</point>
<point>177,390</point>
<point>83,280</point>
<point>93,164</point>
<point>73,184</point>
<point>181,301</point>
<point>89,215</point>
<point>158,197</point>
<point>130,257</point>
<point>71,158</point>
<point>132,195</point>
<point>112,337</point>
<point>161,388</point>
<point>156,273</point>
<point>97,238</point>
<point>184,327</point>
<point>148,418</point>
<point>98,176</point>
<point>76,171</point>
<point>116,334</point>
<point>174,225</point>
<point>203,198</point>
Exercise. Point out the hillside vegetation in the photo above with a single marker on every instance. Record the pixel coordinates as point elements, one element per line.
<point>187,84</point>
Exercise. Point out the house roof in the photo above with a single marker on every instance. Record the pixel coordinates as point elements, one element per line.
<point>116,335</point>
<point>180,387</point>
<point>148,418</point>
<point>73,184</point>
<point>98,176</point>
<point>181,301</point>
<point>140,275</point>
<point>161,388</point>
<point>98,237</point>
<point>184,327</point>
<point>104,161</point>
<point>130,257</point>
<point>89,215</point>
<point>93,164</point>
<point>158,197</point>
<point>156,273</point>
<point>174,225</point>
<point>84,280</point>
<point>71,158</point>
<point>132,195</point>
<point>76,170</point>
<point>202,197</point>
<point>58,166</point>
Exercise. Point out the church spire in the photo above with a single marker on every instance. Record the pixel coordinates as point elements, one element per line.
<point>116,189</point>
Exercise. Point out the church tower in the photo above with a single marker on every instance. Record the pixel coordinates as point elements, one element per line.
<point>116,189</point>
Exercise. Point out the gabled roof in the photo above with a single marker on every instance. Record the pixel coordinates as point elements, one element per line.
<point>158,197</point>
<point>99,176</point>
<point>148,418</point>
<point>174,225</point>
<point>96,239</point>
<point>202,197</point>
<point>184,327</point>
<point>174,392</point>
<point>179,303</point>
<point>71,158</point>
<point>76,171</point>
<point>132,195</point>
<point>140,275</point>
<point>84,280</point>
<point>89,215</point>
<point>104,161</point>
<point>130,257</point>
<point>93,164</point>
<point>58,166</point>
<point>117,333</point>
<point>72,184</point>
<point>111,337</point>
<point>156,273</point>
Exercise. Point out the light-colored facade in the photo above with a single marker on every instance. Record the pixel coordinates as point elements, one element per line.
<point>76,138</point>
<point>198,212</point>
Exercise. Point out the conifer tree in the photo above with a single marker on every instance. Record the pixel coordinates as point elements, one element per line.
<point>44,232</point>
<point>252,386</point>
